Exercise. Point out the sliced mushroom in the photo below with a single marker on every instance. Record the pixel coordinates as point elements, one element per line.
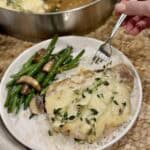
<point>30,81</point>
<point>40,103</point>
<point>37,105</point>
<point>39,55</point>
<point>33,107</point>
<point>25,89</point>
<point>47,67</point>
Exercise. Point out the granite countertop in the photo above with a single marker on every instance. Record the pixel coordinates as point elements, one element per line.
<point>138,51</point>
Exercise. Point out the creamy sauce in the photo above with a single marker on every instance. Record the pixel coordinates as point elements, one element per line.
<point>88,103</point>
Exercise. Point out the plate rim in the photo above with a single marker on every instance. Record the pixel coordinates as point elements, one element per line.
<point>118,137</point>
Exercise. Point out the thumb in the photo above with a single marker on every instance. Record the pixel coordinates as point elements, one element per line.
<point>139,8</point>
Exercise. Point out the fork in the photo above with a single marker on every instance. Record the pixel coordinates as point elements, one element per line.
<point>104,52</point>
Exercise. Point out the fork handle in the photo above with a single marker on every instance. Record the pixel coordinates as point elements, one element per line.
<point>118,24</point>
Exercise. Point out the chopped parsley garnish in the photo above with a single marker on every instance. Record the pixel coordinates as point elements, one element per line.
<point>104,66</point>
<point>120,111</point>
<point>99,83</point>
<point>78,113</point>
<point>57,111</point>
<point>115,102</point>
<point>97,79</point>
<point>89,91</point>
<point>87,121</point>
<point>77,140</point>
<point>112,98</point>
<point>71,117</point>
<point>53,119</point>
<point>100,95</point>
<point>83,96</point>
<point>90,131</point>
<point>79,107</point>
<point>77,91</point>
<point>94,111</point>
<point>61,125</point>
<point>50,133</point>
<point>106,83</point>
<point>65,115</point>
<point>124,104</point>
<point>94,119</point>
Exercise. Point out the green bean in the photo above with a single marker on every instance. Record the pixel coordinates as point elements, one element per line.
<point>25,68</point>
<point>63,61</point>
<point>23,72</point>
<point>40,76</point>
<point>19,74</point>
<point>8,97</point>
<point>61,69</point>
<point>28,63</point>
<point>57,55</point>
<point>10,83</point>
<point>77,58</point>
<point>14,91</point>
<point>38,67</point>
<point>68,67</point>
<point>51,45</point>
<point>33,69</point>
<point>45,58</point>
<point>19,103</point>
<point>44,91</point>
<point>68,60</point>
<point>72,63</point>
<point>30,69</point>
<point>51,75</point>
<point>28,99</point>
<point>13,104</point>
<point>60,52</point>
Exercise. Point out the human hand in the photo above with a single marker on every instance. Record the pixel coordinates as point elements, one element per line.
<point>134,7</point>
<point>134,24</point>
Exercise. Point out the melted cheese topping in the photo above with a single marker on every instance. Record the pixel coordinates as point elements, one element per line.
<point>84,105</point>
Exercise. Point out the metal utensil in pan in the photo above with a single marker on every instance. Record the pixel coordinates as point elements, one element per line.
<point>40,26</point>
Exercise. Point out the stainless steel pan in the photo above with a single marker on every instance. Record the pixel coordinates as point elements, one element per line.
<point>40,26</point>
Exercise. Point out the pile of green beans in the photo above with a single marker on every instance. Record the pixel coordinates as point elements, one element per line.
<point>63,61</point>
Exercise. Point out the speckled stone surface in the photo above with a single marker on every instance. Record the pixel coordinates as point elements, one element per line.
<point>138,51</point>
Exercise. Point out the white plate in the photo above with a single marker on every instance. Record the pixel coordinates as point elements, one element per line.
<point>34,133</point>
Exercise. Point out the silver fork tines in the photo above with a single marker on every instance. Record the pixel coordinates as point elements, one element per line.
<point>101,54</point>
<point>105,51</point>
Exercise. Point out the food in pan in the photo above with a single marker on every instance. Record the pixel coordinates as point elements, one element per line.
<point>41,6</point>
<point>90,102</point>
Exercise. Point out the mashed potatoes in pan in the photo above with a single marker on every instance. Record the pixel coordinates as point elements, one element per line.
<point>85,105</point>
<point>41,6</point>
<point>24,5</point>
